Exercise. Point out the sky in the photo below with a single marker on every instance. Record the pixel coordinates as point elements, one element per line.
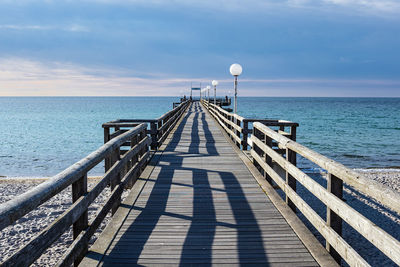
<point>157,48</point>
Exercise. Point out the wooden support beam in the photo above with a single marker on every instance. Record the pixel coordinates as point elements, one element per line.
<point>335,186</point>
<point>153,127</point>
<point>245,134</point>
<point>79,189</point>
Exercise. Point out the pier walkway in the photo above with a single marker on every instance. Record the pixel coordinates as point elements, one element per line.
<point>199,205</point>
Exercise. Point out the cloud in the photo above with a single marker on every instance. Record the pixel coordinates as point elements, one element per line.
<point>20,77</point>
<point>68,28</point>
<point>378,4</point>
<point>77,28</point>
<point>367,6</point>
<point>25,27</point>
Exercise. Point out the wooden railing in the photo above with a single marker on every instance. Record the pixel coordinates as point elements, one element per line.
<point>274,153</point>
<point>239,128</point>
<point>123,172</point>
<point>125,153</point>
<point>159,128</point>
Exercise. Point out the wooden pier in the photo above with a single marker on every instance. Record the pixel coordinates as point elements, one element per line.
<point>200,205</point>
<point>203,191</point>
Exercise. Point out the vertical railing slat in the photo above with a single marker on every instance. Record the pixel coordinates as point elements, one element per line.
<point>79,189</point>
<point>245,134</point>
<point>335,186</point>
<point>115,180</point>
<point>153,134</point>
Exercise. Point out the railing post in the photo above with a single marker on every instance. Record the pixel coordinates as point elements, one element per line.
<point>293,133</point>
<point>106,134</point>
<point>134,142</point>
<point>256,148</point>
<point>290,180</point>
<point>335,186</point>
<point>268,159</point>
<point>79,189</point>
<point>142,135</point>
<point>292,158</point>
<point>245,134</point>
<point>153,131</point>
<point>115,180</point>
<point>106,139</point>
<point>238,132</point>
<point>160,131</point>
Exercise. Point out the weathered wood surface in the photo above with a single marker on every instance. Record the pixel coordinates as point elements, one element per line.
<point>337,209</point>
<point>18,207</point>
<point>387,196</point>
<point>159,128</point>
<point>201,205</point>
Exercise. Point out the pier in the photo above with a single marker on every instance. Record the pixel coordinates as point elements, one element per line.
<point>205,187</point>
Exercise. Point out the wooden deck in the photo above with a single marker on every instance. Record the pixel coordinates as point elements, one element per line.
<point>200,206</point>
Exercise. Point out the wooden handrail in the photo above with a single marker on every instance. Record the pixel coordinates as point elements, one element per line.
<point>336,207</point>
<point>384,194</point>
<point>14,209</point>
<point>76,175</point>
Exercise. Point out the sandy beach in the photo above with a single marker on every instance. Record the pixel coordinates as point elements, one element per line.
<point>14,236</point>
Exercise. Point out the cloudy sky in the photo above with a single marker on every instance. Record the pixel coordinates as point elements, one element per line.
<point>155,47</point>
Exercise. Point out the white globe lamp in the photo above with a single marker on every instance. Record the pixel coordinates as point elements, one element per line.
<point>235,70</point>
<point>215,83</point>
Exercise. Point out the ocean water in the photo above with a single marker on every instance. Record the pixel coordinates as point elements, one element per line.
<point>41,136</point>
<point>357,132</point>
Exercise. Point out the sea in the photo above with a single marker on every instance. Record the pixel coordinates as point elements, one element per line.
<point>41,136</point>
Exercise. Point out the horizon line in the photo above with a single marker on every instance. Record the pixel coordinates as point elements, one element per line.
<point>49,96</point>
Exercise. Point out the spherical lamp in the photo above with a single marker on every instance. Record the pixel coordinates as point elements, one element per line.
<point>215,83</point>
<point>235,70</point>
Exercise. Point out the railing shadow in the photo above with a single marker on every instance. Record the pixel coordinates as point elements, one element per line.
<point>200,236</point>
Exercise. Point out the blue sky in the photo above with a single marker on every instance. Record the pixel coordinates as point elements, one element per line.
<point>154,47</point>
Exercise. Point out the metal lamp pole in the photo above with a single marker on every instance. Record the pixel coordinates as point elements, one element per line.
<point>235,70</point>
<point>215,83</point>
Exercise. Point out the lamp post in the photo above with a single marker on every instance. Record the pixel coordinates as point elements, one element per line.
<point>208,89</point>
<point>215,83</point>
<point>235,70</point>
